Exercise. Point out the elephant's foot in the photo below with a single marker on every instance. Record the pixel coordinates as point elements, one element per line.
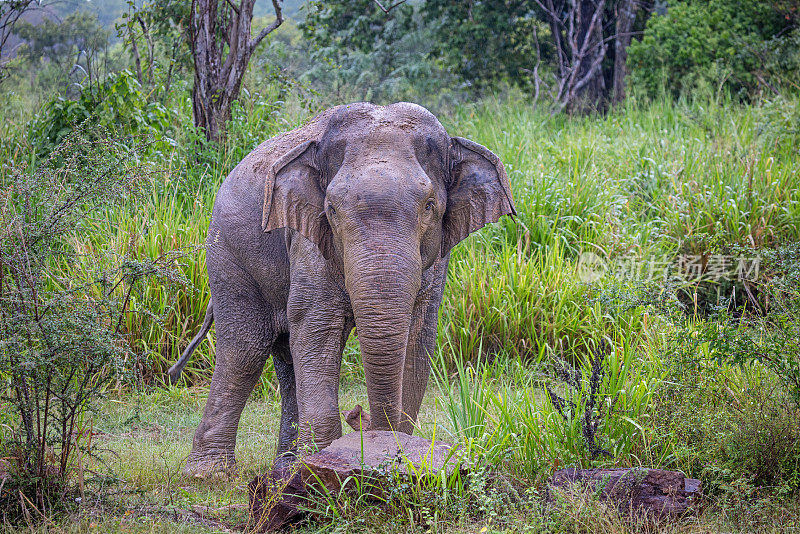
<point>209,467</point>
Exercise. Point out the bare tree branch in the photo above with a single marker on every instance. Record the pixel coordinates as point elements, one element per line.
<point>150,49</point>
<point>593,69</point>
<point>233,6</point>
<point>271,28</point>
<point>577,28</point>
<point>386,10</point>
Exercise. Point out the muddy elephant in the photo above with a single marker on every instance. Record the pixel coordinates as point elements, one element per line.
<point>345,222</point>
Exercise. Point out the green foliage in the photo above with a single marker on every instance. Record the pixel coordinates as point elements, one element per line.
<point>156,35</point>
<point>731,395</point>
<point>630,184</point>
<point>61,315</point>
<point>466,399</point>
<point>766,329</point>
<point>64,51</point>
<point>601,418</point>
<point>734,427</point>
<point>595,414</point>
<point>485,42</point>
<point>716,43</point>
<point>362,53</point>
<point>118,104</point>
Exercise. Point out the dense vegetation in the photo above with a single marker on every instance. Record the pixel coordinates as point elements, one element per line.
<point>656,249</point>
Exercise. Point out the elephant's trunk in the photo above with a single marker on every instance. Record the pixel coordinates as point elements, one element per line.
<point>383,286</point>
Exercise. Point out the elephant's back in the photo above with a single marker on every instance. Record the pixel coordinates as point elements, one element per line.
<point>236,231</point>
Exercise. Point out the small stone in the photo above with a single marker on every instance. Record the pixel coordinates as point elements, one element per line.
<point>358,419</point>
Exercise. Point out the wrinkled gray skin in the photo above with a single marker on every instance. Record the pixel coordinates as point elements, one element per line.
<point>347,221</point>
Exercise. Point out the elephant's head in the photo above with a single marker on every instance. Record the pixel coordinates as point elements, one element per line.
<point>384,192</point>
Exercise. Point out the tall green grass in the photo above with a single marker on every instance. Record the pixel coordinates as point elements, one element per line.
<point>646,179</point>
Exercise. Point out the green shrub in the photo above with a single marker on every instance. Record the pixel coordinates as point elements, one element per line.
<point>765,329</point>
<point>117,105</point>
<point>62,341</point>
<point>706,43</point>
<point>732,395</point>
<point>734,427</point>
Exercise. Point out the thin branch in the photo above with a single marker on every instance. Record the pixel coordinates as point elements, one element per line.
<point>610,38</point>
<point>551,12</point>
<point>592,70</point>
<point>271,28</point>
<point>233,6</point>
<point>386,10</point>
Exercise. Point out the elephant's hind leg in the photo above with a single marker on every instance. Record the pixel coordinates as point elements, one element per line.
<point>287,435</point>
<point>244,339</point>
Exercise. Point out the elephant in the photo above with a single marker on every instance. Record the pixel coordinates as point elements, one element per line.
<point>346,222</point>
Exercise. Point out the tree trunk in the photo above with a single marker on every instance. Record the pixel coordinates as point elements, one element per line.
<point>211,105</point>
<point>588,88</point>
<point>221,46</point>
<point>626,15</point>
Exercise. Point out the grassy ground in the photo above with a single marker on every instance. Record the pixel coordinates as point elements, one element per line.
<point>143,440</point>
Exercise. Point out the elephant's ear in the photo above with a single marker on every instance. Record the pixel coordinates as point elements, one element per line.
<point>477,191</point>
<point>294,197</point>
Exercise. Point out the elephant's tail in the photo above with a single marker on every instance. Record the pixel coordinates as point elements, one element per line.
<point>176,370</point>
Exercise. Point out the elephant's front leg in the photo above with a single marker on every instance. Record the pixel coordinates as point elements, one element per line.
<point>421,345</point>
<point>317,342</point>
<point>319,325</point>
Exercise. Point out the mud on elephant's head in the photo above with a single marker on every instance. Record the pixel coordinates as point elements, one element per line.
<point>385,192</point>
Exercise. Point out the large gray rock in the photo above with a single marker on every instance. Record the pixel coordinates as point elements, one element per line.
<point>377,455</point>
<point>654,491</point>
<point>372,459</point>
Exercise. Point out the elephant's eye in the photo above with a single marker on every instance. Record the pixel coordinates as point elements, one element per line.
<point>331,209</point>
<point>429,205</point>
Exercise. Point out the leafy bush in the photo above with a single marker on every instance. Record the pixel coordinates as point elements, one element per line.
<point>118,105</point>
<point>733,391</point>
<point>362,53</point>
<point>486,42</point>
<point>708,43</point>
<point>765,329</point>
<point>62,315</point>
<point>62,52</point>
<point>734,427</point>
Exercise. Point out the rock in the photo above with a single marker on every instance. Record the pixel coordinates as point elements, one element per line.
<point>655,491</point>
<point>276,500</point>
<point>357,418</point>
<point>375,456</point>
